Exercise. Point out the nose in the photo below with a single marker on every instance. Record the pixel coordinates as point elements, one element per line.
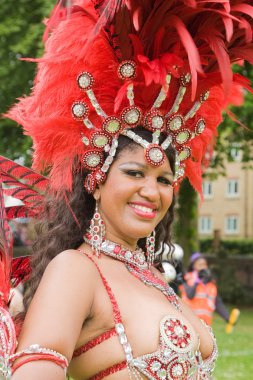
<point>150,190</point>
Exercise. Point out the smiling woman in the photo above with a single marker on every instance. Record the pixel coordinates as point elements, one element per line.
<point>126,101</point>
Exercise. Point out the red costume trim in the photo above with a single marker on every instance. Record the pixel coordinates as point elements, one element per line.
<point>109,371</point>
<point>94,342</point>
<point>115,308</point>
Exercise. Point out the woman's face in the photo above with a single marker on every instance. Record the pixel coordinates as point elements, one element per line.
<point>135,196</point>
<point>200,264</point>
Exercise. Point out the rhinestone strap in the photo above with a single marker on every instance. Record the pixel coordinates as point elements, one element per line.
<point>148,278</point>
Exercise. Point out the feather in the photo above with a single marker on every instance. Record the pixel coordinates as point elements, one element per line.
<point>6,242</point>
<point>23,184</point>
<point>14,212</point>
<point>21,269</point>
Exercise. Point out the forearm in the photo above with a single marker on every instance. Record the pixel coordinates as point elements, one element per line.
<point>190,290</point>
<point>221,309</point>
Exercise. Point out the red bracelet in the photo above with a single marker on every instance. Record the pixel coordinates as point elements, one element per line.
<point>35,353</point>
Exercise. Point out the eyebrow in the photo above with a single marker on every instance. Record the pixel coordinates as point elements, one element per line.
<point>142,166</point>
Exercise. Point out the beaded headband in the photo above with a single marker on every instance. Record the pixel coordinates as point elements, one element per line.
<point>171,122</point>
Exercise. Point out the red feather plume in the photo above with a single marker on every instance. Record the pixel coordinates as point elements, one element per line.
<point>23,184</point>
<point>207,36</point>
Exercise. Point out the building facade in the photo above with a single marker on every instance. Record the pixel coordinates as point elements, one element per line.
<point>227,208</point>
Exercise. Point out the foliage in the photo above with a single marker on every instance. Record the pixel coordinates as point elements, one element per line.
<point>228,247</point>
<point>21,36</point>
<point>187,219</point>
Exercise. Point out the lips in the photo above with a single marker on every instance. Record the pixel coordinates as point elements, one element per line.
<point>144,210</point>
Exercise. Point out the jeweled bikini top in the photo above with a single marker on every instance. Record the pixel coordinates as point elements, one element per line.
<point>176,357</point>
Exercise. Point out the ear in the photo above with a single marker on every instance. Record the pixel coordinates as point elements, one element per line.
<point>96,194</point>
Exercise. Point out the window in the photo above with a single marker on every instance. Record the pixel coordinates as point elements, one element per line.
<point>207,189</point>
<point>236,152</point>
<point>205,225</point>
<point>233,187</point>
<point>232,224</point>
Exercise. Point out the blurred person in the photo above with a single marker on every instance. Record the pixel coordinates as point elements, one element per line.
<point>199,290</point>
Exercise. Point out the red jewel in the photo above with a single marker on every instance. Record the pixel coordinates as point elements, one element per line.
<point>117,249</point>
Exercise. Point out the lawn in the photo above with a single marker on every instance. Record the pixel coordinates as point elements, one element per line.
<point>235,360</point>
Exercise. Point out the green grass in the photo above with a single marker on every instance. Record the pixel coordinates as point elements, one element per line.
<point>235,361</point>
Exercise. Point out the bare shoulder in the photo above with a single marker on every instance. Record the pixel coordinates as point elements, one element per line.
<point>73,263</point>
<point>62,303</point>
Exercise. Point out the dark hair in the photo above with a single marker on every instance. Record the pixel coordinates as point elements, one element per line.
<point>65,220</point>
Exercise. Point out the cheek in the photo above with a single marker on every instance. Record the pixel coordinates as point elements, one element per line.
<point>167,198</point>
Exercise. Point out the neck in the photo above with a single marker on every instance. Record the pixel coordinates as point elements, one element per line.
<point>127,243</point>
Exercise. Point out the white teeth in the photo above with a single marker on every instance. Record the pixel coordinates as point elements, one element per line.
<point>142,208</point>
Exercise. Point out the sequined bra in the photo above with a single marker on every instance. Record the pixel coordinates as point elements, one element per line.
<point>174,359</point>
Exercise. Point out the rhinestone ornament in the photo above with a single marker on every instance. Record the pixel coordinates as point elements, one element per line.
<point>183,136</point>
<point>200,126</point>
<point>100,140</point>
<point>85,81</point>
<point>154,121</point>
<point>175,123</point>
<point>90,183</point>
<point>79,110</point>
<point>184,153</point>
<point>100,176</point>
<point>112,125</point>
<point>154,154</point>
<point>127,70</point>
<point>92,159</point>
<point>131,116</point>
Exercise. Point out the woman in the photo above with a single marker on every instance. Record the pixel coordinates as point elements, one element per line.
<point>119,115</point>
<point>77,307</point>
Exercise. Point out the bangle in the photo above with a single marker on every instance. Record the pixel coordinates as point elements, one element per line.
<point>35,353</point>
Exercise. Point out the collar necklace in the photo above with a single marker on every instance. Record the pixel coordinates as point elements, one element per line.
<point>135,262</point>
<point>119,252</point>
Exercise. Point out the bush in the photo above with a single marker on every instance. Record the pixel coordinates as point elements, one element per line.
<point>228,247</point>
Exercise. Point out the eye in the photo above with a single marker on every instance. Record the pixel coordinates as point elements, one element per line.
<point>164,181</point>
<point>135,173</point>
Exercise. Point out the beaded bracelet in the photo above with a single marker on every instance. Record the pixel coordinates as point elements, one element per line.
<point>37,353</point>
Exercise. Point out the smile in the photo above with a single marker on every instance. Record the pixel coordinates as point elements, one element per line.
<point>143,211</point>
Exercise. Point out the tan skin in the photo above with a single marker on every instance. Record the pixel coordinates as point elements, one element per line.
<point>71,305</point>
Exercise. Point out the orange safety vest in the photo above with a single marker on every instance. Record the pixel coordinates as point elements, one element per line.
<point>203,303</point>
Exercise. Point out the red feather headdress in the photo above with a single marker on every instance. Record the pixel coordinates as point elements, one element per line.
<point>111,65</point>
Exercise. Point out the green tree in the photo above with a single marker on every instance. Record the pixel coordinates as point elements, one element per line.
<point>21,33</point>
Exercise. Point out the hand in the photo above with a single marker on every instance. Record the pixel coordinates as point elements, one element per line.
<point>196,277</point>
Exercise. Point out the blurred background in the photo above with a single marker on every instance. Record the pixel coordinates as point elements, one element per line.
<point>220,225</point>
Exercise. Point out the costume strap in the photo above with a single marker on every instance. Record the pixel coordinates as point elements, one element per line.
<point>115,307</point>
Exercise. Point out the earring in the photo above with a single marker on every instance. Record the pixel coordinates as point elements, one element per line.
<point>150,246</point>
<point>97,231</point>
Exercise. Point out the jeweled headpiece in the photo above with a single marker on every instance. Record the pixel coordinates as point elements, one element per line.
<point>110,66</point>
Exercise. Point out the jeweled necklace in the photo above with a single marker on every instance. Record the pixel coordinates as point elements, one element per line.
<point>135,262</point>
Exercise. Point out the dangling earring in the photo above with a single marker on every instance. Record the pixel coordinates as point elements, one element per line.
<point>150,246</point>
<point>97,231</point>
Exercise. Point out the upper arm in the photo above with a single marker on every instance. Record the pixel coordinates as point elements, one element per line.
<point>62,302</point>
